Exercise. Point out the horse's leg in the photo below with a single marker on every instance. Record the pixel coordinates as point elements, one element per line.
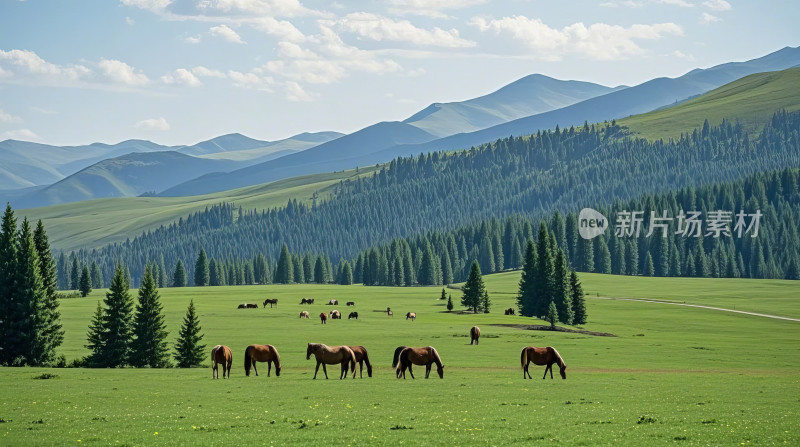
<point>410,371</point>
<point>428,370</point>
<point>325,370</point>
<point>360,370</point>
<point>316,371</point>
<point>214,371</point>
<point>545,371</point>
<point>527,371</point>
<point>551,370</point>
<point>269,367</point>
<point>254,367</point>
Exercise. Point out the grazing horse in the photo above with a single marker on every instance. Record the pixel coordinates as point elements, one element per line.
<point>270,301</point>
<point>542,356</point>
<point>307,301</point>
<point>411,315</point>
<point>389,312</point>
<point>262,353</point>
<point>242,306</point>
<point>361,357</point>
<point>323,317</point>
<point>353,315</point>
<point>221,354</point>
<point>304,314</point>
<point>333,303</point>
<point>474,334</point>
<point>419,356</point>
<point>332,355</point>
<point>351,303</point>
<point>396,357</point>
<point>252,306</point>
<point>510,311</point>
<point>335,315</point>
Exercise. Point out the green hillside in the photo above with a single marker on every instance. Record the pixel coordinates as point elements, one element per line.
<point>752,100</point>
<point>96,222</point>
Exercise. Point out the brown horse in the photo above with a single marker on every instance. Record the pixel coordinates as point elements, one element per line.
<point>304,314</point>
<point>332,355</point>
<point>474,334</point>
<point>335,315</point>
<point>361,357</point>
<point>270,301</point>
<point>396,357</point>
<point>542,356</point>
<point>411,315</point>
<point>262,353</point>
<point>353,315</point>
<point>221,354</point>
<point>307,301</point>
<point>252,305</point>
<point>323,317</point>
<point>351,303</point>
<point>419,356</point>
<point>509,311</point>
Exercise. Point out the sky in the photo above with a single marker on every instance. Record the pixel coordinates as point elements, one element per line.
<point>178,72</point>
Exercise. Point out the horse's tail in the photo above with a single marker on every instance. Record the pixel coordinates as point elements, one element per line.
<point>276,356</point>
<point>366,360</point>
<point>247,361</point>
<point>396,357</point>
<point>436,358</point>
<point>524,356</point>
<point>559,360</point>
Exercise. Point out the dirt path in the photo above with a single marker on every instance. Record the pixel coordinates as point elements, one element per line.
<point>755,314</point>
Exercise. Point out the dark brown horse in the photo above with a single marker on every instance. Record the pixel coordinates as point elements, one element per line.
<point>251,306</point>
<point>262,353</point>
<point>361,357</point>
<point>304,314</point>
<point>351,303</point>
<point>353,315</point>
<point>270,301</point>
<point>221,354</point>
<point>419,356</point>
<point>412,315</point>
<point>389,312</point>
<point>332,355</point>
<point>396,357</point>
<point>542,356</point>
<point>323,317</point>
<point>474,334</point>
<point>307,301</point>
<point>510,311</point>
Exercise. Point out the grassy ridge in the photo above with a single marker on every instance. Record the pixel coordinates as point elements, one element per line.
<point>97,222</point>
<point>752,100</point>
<point>667,377</point>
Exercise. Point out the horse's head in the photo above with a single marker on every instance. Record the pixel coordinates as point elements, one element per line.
<point>563,371</point>
<point>308,352</point>
<point>440,370</point>
<point>278,370</point>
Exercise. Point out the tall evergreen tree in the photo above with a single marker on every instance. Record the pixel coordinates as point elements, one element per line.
<point>284,272</point>
<point>96,276</point>
<point>94,338</point>
<point>444,295</point>
<point>485,302</point>
<point>188,350</point>
<point>561,288</point>
<point>85,282</point>
<point>308,268</point>
<point>578,300</point>
<point>552,315</point>
<point>49,330</point>
<point>24,338</point>
<point>63,272</point>
<point>346,277</point>
<point>201,271</point>
<point>162,272</point>
<point>450,303</point>
<point>297,267</point>
<point>527,284</point>
<point>473,289</point>
<point>427,274</point>
<point>117,322</point>
<point>149,347</point>
<point>543,280</point>
<point>213,273</point>
<point>649,269</point>
<point>8,271</point>
<point>75,274</point>
<point>179,275</point>
<point>319,271</point>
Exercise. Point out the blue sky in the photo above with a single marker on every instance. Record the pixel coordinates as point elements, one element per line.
<point>182,71</point>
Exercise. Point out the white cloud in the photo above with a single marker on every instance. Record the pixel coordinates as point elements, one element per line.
<point>707,18</point>
<point>272,8</point>
<point>6,117</point>
<point>292,50</point>
<point>717,5</point>
<point>682,55</point>
<point>681,3</point>
<point>598,41</point>
<point>181,76</point>
<point>430,8</point>
<point>251,80</point>
<point>130,21</point>
<point>206,72</point>
<point>32,64</point>
<point>280,28</point>
<point>381,28</point>
<point>20,134</point>
<point>310,71</point>
<point>157,124</point>
<point>152,5</point>
<point>296,93</point>
<point>122,73</point>
<point>193,39</point>
<point>627,4</point>
<point>226,33</point>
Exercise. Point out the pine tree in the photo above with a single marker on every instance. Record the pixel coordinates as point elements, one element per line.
<point>63,274</point>
<point>450,303</point>
<point>96,276</point>
<point>297,267</point>
<point>444,295</point>
<point>85,282</point>
<point>95,338</point>
<point>649,269</point>
<point>485,302</point>
<point>319,271</point>
<point>346,277</point>
<point>527,283</point>
<point>399,275</point>
<point>188,350</point>
<point>149,347</point>
<point>473,289</point>
<point>201,270</point>
<point>49,331</point>
<point>179,275</point>
<point>162,272</point>
<point>543,280</point>
<point>552,315</point>
<point>24,341</point>
<point>308,268</point>
<point>75,274</point>
<point>578,300</point>
<point>427,275</point>
<point>561,289</point>
<point>284,273</point>
<point>8,271</point>
<point>213,273</point>
<point>117,322</point>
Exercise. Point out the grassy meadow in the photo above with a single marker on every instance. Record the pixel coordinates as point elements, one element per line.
<point>672,375</point>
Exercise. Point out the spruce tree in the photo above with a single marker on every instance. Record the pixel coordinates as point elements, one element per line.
<point>50,331</point>
<point>75,274</point>
<point>552,315</point>
<point>117,322</point>
<point>213,273</point>
<point>427,275</point>
<point>450,303</point>
<point>284,273</point>
<point>62,272</point>
<point>485,302</point>
<point>399,273</point>
<point>24,340</point>
<point>347,274</point>
<point>649,269</point>
<point>201,270</point>
<point>473,289</point>
<point>149,346</point>
<point>527,286</point>
<point>8,271</point>
<point>561,288</point>
<point>308,268</point>
<point>319,271</point>
<point>85,282</point>
<point>94,338</point>
<point>543,280</point>
<point>179,275</point>
<point>96,276</point>
<point>444,295</point>
<point>297,267</point>
<point>578,300</point>
<point>163,280</point>
<point>188,350</point>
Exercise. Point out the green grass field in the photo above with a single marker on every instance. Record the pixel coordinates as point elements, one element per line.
<point>673,375</point>
<point>98,222</point>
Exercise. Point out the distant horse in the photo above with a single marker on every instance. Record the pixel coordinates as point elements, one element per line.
<point>262,353</point>
<point>353,315</point>
<point>252,306</point>
<point>304,314</point>
<point>389,312</point>
<point>474,334</point>
<point>333,303</point>
<point>323,317</point>
<point>221,354</point>
<point>242,306</point>
<point>307,301</point>
<point>411,315</point>
<point>510,311</point>
<point>336,315</point>
<point>419,356</point>
<point>270,301</point>
<point>361,357</point>
<point>332,355</point>
<point>396,357</point>
<point>351,303</point>
<point>542,356</point>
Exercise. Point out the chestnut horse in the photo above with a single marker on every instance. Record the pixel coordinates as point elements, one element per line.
<point>323,317</point>
<point>332,355</point>
<point>270,301</point>
<point>221,354</point>
<point>261,353</point>
<point>304,314</point>
<point>474,334</point>
<point>361,357</point>
<point>542,356</point>
<point>419,356</point>
<point>411,315</point>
